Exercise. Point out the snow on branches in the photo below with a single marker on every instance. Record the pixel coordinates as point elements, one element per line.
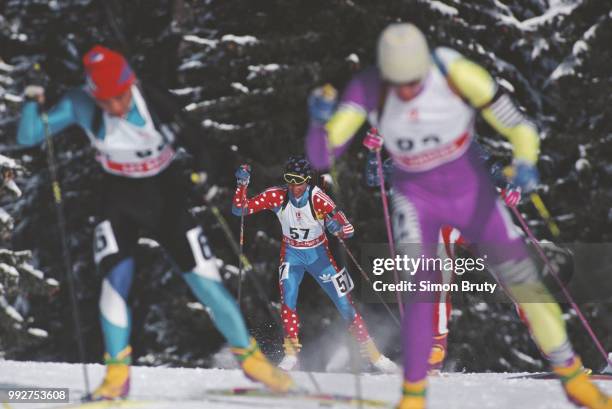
<point>18,278</point>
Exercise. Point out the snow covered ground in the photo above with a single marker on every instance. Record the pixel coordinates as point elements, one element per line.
<point>186,388</point>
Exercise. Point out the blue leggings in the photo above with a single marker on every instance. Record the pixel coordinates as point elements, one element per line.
<point>318,262</point>
<point>115,313</point>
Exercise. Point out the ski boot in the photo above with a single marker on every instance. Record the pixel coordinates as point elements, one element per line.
<point>578,387</point>
<point>438,353</point>
<point>116,383</point>
<point>382,364</point>
<point>290,361</point>
<point>608,369</point>
<point>257,368</point>
<point>413,395</point>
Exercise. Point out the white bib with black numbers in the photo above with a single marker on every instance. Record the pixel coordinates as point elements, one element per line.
<point>133,151</point>
<point>433,128</point>
<point>300,228</point>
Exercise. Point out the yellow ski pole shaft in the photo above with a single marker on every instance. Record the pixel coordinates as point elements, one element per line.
<point>541,208</point>
<point>539,205</point>
<point>246,264</point>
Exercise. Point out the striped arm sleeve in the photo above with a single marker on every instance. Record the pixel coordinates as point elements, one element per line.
<point>477,86</point>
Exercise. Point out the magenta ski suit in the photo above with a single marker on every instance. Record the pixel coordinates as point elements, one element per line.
<point>439,177</point>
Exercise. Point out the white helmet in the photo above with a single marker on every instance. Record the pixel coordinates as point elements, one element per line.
<point>403,54</point>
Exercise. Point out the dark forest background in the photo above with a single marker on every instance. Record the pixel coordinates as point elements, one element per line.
<point>242,70</point>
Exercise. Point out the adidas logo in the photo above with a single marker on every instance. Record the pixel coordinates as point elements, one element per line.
<point>326,278</point>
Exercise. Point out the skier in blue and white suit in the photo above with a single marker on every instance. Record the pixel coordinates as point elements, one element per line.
<point>143,189</point>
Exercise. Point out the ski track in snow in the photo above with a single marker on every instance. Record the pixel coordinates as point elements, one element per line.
<point>184,388</point>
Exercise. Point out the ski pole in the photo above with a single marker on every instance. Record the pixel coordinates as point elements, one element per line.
<point>333,172</point>
<point>385,203</point>
<point>541,208</point>
<point>568,296</point>
<point>59,208</point>
<point>245,261</point>
<point>365,276</point>
<point>310,375</point>
<point>241,248</point>
<point>538,203</point>
<point>355,370</point>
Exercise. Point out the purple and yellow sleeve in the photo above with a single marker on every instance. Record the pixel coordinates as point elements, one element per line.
<point>476,85</point>
<point>332,139</point>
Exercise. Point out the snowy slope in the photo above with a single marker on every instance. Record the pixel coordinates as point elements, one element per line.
<point>186,388</point>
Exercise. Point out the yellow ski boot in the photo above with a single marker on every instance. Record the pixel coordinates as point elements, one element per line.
<point>579,388</point>
<point>116,383</point>
<point>290,361</point>
<point>413,395</point>
<point>257,368</point>
<point>437,355</point>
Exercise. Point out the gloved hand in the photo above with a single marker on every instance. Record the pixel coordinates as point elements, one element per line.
<point>34,93</point>
<point>373,141</point>
<point>498,173</point>
<point>322,103</point>
<point>511,195</point>
<point>202,185</point>
<point>371,170</point>
<point>523,175</point>
<point>334,227</point>
<point>243,175</point>
<point>199,178</point>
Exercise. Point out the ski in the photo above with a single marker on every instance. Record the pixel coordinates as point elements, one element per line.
<point>321,398</point>
<point>105,404</point>
<point>552,375</point>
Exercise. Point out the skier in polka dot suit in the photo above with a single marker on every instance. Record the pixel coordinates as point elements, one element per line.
<point>304,211</point>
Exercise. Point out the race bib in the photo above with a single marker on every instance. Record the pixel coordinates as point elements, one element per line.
<point>343,283</point>
<point>105,242</point>
<point>283,271</point>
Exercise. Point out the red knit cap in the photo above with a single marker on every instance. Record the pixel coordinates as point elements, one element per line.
<point>108,73</point>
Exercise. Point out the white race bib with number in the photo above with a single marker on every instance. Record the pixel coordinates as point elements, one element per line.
<point>300,228</point>
<point>283,271</point>
<point>431,129</point>
<point>343,283</point>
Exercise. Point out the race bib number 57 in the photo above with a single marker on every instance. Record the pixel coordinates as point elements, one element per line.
<point>343,283</point>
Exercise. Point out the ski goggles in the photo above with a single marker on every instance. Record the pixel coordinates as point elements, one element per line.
<point>294,179</point>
